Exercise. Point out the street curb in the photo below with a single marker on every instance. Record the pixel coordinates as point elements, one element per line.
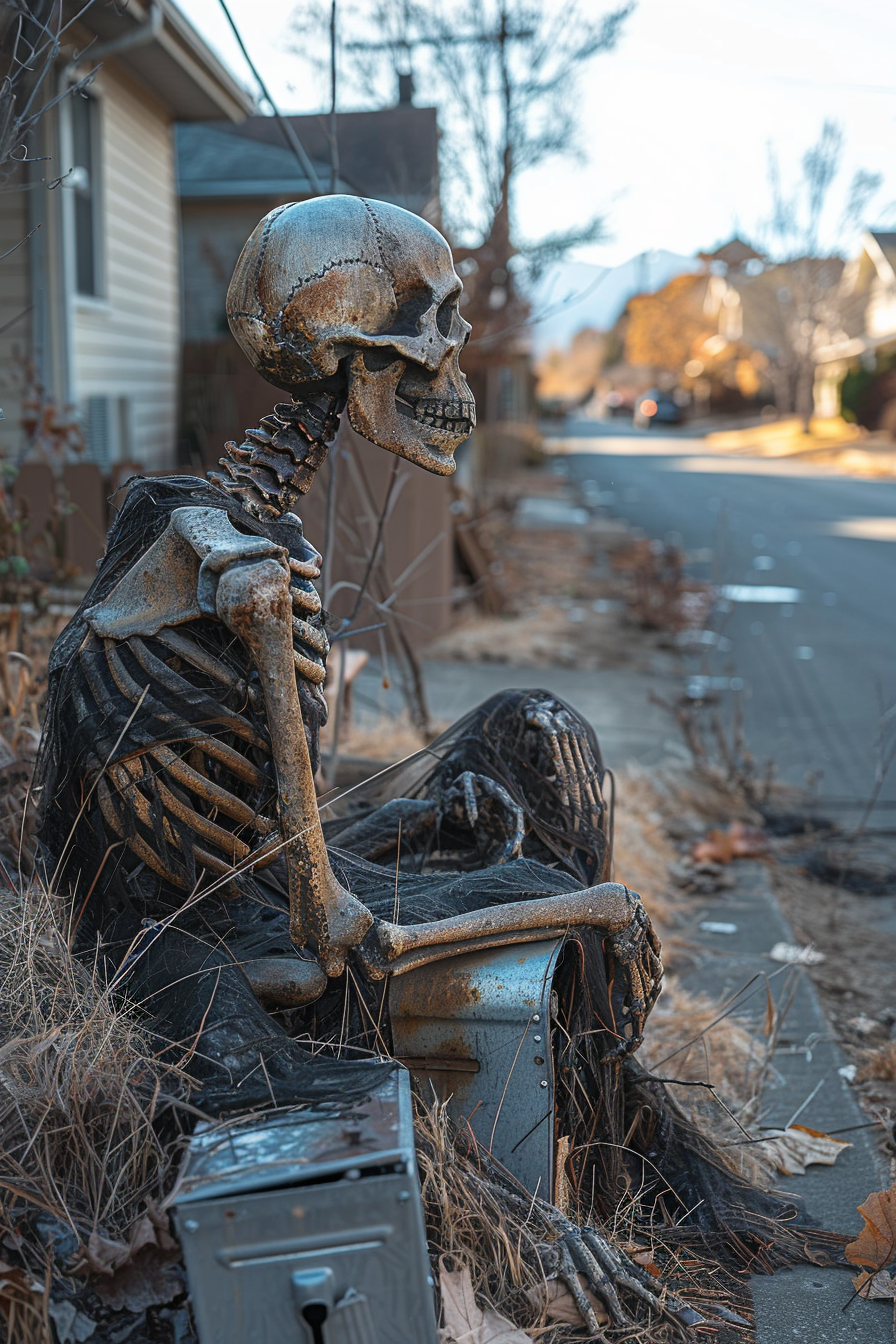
<point>805,1303</point>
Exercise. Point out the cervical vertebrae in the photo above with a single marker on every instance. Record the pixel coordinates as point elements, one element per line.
<point>277,462</point>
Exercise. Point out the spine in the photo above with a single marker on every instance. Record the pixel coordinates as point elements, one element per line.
<point>276,463</point>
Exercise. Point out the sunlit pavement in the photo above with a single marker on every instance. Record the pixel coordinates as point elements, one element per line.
<point>817,658</point>
<point>817,664</point>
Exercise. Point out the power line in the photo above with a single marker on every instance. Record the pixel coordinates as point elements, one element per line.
<point>286,127</point>
<point>447,40</point>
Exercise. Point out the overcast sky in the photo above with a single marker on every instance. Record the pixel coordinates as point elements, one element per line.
<point>678,118</point>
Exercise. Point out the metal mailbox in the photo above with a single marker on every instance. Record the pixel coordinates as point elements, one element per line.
<point>306,1227</point>
<point>475,1031</point>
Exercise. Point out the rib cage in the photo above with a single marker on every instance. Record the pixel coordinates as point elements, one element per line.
<point>190,785</point>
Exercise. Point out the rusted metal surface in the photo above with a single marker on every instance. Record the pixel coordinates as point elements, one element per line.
<point>256,1153</point>
<point>476,1031</point>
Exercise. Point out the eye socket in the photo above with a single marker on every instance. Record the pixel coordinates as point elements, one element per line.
<point>377,360</point>
<point>407,319</point>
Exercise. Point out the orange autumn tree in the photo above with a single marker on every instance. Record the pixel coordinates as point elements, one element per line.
<point>664,329</point>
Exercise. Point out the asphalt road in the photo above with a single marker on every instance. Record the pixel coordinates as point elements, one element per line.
<point>816,666</point>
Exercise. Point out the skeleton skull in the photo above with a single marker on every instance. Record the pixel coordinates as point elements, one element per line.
<point>341,290</point>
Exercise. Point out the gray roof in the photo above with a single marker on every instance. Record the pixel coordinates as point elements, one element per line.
<point>211,162</point>
<point>887,244</point>
<point>390,154</point>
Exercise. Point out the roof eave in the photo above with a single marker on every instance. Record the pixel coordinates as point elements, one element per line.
<point>176,65</point>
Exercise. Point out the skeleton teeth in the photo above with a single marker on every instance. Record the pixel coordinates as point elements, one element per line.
<point>443,414</point>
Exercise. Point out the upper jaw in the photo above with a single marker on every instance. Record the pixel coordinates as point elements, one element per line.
<point>456,416</point>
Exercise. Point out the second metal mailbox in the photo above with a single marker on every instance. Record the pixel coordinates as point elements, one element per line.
<point>306,1227</point>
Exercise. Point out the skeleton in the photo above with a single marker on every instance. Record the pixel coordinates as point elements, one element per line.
<point>336,301</point>
<point>204,659</point>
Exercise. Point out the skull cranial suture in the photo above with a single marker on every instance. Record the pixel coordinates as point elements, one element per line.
<point>344,292</point>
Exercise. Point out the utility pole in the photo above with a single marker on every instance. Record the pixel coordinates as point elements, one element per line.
<point>406,42</point>
<point>334,138</point>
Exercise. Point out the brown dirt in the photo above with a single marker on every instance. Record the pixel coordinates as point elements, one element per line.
<point>566,605</point>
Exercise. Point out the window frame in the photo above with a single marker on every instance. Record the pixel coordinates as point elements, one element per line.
<point>97,294</point>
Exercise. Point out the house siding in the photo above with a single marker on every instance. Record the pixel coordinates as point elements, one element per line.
<point>126,342</point>
<point>881,311</point>
<point>15,341</point>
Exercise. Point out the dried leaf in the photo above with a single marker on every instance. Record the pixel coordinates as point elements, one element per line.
<point>559,1304</point>
<point>152,1230</point>
<point>875,1246</point>
<point>794,1149</point>
<point>17,1287</point>
<point>105,1255</point>
<point>716,847</point>
<point>72,1326</point>
<point>464,1321</point>
<point>738,842</point>
<point>646,1259</point>
<point>13,1277</point>
<point>876,1286</point>
<point>151,1279</point>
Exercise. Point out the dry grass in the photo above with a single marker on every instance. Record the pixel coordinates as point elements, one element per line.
<point>642,852</point>
<point>80,1097</point>
<point>683,1040</point>
<point>23,681</point>
<point>726,1061</point>
<point>474,1223</point>
<point>878,1065</point>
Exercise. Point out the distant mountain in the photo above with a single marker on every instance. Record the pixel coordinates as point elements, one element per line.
<point>576,294</point>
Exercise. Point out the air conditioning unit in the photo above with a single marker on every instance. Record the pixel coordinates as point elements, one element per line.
<point>108,430</point>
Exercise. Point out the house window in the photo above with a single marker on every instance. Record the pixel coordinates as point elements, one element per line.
<point>85,182</point>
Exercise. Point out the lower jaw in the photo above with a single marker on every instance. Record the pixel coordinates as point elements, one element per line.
<point>442,464</point>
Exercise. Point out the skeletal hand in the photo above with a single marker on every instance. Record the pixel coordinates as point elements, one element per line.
<point>484,805</point>
<point>584,1260</point>
<point>582,1253</point>
<point>574,778</point>
<point>638,955</point>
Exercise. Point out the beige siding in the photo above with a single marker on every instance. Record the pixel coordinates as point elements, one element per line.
<point>126,344</point>
<point>15,299</point>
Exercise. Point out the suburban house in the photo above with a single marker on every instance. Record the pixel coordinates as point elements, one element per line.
<point>92,311</point>
<point>141,187</point>
<point>691,332</point>
<point>858,365</point>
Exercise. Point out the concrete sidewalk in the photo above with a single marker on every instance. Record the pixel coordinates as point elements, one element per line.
<point>802,1304</point>
<point>630,727</point>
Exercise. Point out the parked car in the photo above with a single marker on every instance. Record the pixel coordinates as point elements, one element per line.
<point>656,407</point>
